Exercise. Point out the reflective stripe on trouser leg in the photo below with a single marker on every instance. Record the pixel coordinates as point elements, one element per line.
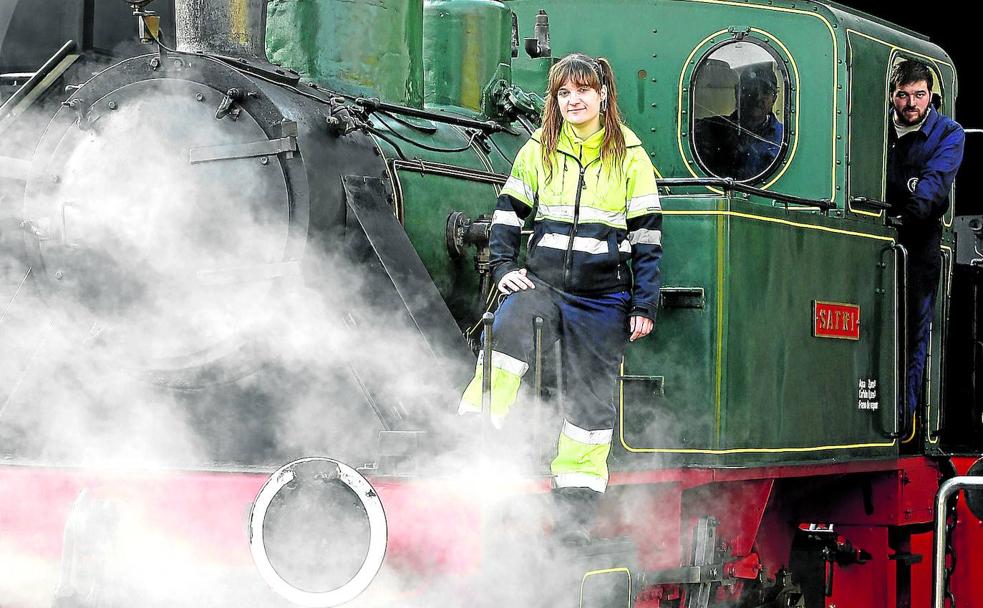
<point>506,376</point>
<point>513,346</point>
<point>581,458</point>
<point>595,332</point>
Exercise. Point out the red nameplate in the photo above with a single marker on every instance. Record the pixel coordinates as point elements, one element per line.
<point>835,320</point>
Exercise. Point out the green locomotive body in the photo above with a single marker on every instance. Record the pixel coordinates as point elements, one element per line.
<point>735,372</point>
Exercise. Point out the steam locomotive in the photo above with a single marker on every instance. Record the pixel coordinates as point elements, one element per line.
<point>243,270</point>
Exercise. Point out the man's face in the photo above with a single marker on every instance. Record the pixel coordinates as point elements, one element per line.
<point>755,101</point>
<point>911,102</point>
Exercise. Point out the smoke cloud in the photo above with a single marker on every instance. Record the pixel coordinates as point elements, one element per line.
<point>161,357</point>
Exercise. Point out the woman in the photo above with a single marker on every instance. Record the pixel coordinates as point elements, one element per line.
<point>597,208</point>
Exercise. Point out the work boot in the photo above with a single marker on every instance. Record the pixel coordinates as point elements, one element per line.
<point>574,513</point>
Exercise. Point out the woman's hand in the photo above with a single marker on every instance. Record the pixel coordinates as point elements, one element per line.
<point>515,281</point>
<point>640,327</point>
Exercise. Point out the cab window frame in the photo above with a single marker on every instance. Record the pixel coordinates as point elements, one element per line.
<point>787,88</point>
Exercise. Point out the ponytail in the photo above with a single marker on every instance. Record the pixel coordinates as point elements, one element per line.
<point>613,147</point>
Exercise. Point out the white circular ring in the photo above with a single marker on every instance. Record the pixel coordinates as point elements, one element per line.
<point>378,537</point>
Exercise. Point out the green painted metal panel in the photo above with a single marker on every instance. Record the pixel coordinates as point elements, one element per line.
<point>745,380</point>
<point>425,217</point>
<point>869,62</point>
<point>467,47</point>
<point>361,48</point>
<point>426,200</point>
<point>681,349</point>
<point>784,387</point>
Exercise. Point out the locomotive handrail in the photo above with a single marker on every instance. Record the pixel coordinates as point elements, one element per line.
<point>731,185</point>
<point>907,419</point>
<point>373,104</point>
<point>10,106</point>
<point>869,202</point>
<point>946,490</point>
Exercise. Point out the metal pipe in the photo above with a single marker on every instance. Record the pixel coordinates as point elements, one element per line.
<point>729,184</point>
<point>946,306</point>
<point>49,65</point>
<point>374,104</point>
<point>538,342</point>
<point>235,28</point>
<point>486,367</point>
<point>946,490</point>
<point>902,362</point>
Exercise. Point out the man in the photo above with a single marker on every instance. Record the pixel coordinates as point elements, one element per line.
<point>743,144</point>
<point>925,149</point>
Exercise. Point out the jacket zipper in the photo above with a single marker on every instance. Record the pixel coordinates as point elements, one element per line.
<point>568,258</point>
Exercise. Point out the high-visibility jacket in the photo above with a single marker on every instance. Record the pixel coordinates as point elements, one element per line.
<point>592,218</point>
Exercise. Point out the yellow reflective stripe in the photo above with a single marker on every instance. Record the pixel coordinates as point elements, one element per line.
<point>647,202</point>
<point>576,433</point>
<point>519,189</point>
<point>585,244</point>
<point>561,212</point>
<point>579,464</point>
<point>504,389</point>
<point>645,236</point>
<point>580,480</point>
<point>505,362</point>
<point>587,214</point>
<point>506,218</point>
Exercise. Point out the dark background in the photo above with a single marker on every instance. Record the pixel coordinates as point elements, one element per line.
<point>949,25</point>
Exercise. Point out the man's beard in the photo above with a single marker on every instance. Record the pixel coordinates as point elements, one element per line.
<point>903,117</point>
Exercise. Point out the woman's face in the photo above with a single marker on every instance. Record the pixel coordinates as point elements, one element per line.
<point>580,105</point>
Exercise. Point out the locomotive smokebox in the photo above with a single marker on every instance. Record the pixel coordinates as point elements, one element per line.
<point>230,27</point>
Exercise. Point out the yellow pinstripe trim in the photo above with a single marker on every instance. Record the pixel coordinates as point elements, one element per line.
<point>718,372</point>
<point>658,174</point>
<point>775,220</point>
<point>816,448</point>
<point>832,35</point>
<point>914,426</point>
<point>607,571</point>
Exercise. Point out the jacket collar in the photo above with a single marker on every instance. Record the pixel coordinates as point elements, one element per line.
<point>567,138</point>
<point>570,143</point>
<point>928,123</point>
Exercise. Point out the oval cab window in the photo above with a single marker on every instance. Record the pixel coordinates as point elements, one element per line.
<point>739,109</point>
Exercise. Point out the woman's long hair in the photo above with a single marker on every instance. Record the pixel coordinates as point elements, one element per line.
<point>583,70</point>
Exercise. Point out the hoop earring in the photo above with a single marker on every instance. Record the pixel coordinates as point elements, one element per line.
<point>604,106</point>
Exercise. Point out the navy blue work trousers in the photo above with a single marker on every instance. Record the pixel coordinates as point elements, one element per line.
<point>593,334</point>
